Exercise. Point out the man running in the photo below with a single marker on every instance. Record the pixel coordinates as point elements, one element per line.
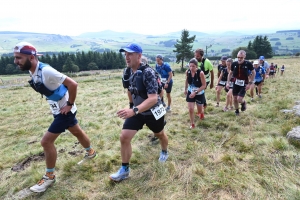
<point>205,65</point>
<point>239,70</point>
<point>260,75</point>
<point>272,70</point>
<point>147,109</point>
<point>165,71</point>
<point>221,83</point>
<point>60,92</point>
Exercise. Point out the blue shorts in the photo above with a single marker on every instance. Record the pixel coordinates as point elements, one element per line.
<point>62,122</point>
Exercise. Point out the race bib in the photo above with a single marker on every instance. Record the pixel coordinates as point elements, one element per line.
<point>239,82</point>
<point>158,111</point>
<point>163,80</point>
<point>230,84</point>
<point>222,82</point>
<point>271,70</point>
<point>54,107</point>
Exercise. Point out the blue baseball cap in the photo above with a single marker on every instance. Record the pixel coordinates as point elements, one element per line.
<point>131,48</point>
<point>261,58</point>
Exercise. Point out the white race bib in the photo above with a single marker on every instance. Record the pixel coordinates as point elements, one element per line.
<point>271,70</point>
<point>54,107</point>
<point>163,80</point>
<point>158,111</point>
<point>222,82</point>
<point>239,82</point>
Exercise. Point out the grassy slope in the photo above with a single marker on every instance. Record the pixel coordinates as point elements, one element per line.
<point>225,157</point>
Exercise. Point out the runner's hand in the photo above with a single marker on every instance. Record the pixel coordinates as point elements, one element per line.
<point>125,113</point>
<point>65,110</point>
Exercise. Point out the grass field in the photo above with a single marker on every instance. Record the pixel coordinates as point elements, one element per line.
<point>224,157</point>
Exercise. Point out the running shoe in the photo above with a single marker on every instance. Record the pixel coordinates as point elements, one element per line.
<point>244,106</point>
<point>217,105</point>
<point>192,126</point>
<point>168,109</point>
<point>251,99</point>
<point>88,155</point>
<point>259,95</point>
<point>163,156</point>
<point>225,109</point>
<point>43,184</point>
<point>122,174</point>
<point>237,113</point>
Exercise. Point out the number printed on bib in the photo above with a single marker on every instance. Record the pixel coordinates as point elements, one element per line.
<point>158,111</point>
<point>222,82</point>
<point>239,82</point>
<point>54,107</point>
<point>163,80</point>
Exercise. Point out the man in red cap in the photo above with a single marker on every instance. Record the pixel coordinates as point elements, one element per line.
<point>60,92</point>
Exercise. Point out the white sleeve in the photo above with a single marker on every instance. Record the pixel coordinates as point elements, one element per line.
<point>52,78</point>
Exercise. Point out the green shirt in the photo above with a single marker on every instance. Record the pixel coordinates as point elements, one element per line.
<point>207,68</point>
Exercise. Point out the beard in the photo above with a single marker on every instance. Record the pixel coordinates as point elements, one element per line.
<point>26,66</point>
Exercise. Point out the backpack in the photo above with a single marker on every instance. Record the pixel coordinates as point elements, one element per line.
<point>126,75</point>
<point>194,80</point>
<point>136,82</point>
<point>202,66</point>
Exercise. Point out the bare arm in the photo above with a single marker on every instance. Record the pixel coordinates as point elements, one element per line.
<point>211,79</point>
<point>72,88</point>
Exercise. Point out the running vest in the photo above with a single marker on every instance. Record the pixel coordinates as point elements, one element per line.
<point>39,87</point>
<point>137,87</point>
<point>126,75</point>
<point>194,80</point>
<point>225,74</point>
<point>241,71</point>
<point>202,67</point>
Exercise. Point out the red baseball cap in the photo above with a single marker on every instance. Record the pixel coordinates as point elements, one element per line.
<point>26,48</point>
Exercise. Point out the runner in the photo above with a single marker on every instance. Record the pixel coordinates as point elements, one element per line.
<point>165,71</point>
<point>221,79</point>
<point>272,71</point>
<point>265,65</point>
<point>60,92</point>
<point>275,71</point>
<point>239,70</point>
<point>194,89</point>
<point>205,65</point>
<point>260,75</point>
<point>147,109</point>
<point>282,69</point>
<point>229,96</point>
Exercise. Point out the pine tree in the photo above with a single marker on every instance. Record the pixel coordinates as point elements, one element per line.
<point>184,47</point>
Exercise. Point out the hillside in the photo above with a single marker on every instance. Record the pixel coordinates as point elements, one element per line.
<point>283,42</point>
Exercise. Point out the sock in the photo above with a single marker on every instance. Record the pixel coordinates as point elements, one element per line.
<point>89,148</point>
<point>125,166</point>
<point>164,151</point>
<point>50,170</point>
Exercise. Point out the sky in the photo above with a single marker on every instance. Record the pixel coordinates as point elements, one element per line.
<point>151,17</point>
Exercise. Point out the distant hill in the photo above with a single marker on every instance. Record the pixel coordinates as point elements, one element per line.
<point>282,41</point>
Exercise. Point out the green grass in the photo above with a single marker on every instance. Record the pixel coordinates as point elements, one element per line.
<point>224,157</point>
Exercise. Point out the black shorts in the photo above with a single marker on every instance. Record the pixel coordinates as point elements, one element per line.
<point>137,122</point>
<point>221,85</point>
<point>271,73</point>
<point>199,99</point>
<point>62,122</point>
<point>238,90</point>
<point>257,83</point>
<point>169,88</point>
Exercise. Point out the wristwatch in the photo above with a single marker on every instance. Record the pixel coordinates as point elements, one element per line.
<point>135,110</point>
<point>69,104</point>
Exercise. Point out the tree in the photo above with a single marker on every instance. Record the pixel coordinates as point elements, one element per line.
<point>249,53</point>
<point>69,66</point>
<point>262,47</point>
<point>92,66</point>
<point>184,47</point>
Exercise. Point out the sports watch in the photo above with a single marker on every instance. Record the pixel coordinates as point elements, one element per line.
<point>135,110</point>
<point>69,104</point>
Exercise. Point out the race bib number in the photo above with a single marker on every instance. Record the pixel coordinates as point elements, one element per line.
<point>222,82</point>
<point>158,111</point>
<point>231,84</point>
<point>54,107</point>
<point>271,70</point>
<point>163,80</point>
<point>239,82</point>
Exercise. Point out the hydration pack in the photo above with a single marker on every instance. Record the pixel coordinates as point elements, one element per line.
<point>39,87</point>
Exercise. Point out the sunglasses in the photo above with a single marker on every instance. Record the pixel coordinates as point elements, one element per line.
<point>240,57</point>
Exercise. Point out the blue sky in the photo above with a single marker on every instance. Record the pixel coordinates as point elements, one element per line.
<point>148,16</point>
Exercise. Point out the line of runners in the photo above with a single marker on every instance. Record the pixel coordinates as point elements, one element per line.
<point>145,94</point>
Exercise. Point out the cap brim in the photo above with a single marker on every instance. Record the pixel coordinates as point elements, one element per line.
<point>39,54</point>
<point>126,49</point>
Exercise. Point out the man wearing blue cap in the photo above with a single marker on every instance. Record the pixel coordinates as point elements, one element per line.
<point>264,64</point>
<point>147,109</point>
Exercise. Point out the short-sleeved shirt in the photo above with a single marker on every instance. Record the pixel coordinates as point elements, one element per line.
<point>265,65</point>
<point>164,71</point>
<point>207,68</point>
<point>52,79</point>
<point>150,81</point>
<point>259,71</point>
